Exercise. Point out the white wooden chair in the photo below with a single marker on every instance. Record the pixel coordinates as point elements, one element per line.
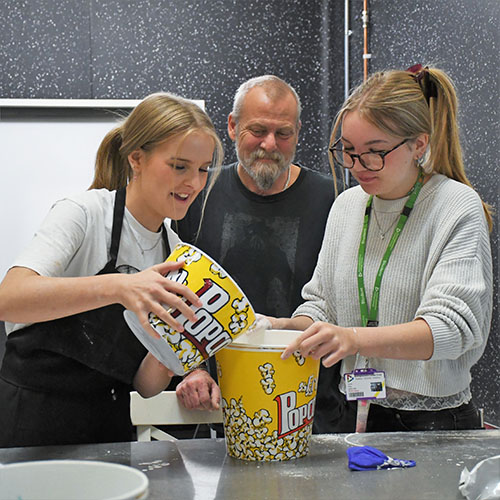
<point>164,409</point>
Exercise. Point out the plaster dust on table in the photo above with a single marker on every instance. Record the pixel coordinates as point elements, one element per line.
<point>303,475</point>
<point>155,464</point>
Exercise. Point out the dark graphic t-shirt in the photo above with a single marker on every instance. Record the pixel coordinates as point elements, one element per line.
<point>268,244</point>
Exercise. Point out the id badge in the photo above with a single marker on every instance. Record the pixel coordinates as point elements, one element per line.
<point>365,383</point>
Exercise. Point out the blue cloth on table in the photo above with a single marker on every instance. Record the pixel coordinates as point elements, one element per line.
<point>369,458</point>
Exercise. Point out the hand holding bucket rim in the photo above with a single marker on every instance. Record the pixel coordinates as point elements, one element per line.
<point>324,340</point>
<point>145,297</point>
<point>223,314</point>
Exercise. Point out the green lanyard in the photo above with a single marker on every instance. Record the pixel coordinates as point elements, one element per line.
<point>370,318</point>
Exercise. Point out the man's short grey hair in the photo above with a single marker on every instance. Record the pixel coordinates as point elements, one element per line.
<point>274,87</point>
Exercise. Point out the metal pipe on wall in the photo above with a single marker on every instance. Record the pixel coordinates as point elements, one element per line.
<point>366,54</point>
<point>347,34</point>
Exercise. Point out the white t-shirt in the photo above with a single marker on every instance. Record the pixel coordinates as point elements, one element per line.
<point>75,239</point>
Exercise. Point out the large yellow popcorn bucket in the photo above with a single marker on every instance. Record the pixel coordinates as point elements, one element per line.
<point>267,403</point>
<point>225,314</point>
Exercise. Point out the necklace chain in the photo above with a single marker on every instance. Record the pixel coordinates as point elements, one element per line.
<point>143,250</point>
<point>380,231</point>
<point>288,178</point>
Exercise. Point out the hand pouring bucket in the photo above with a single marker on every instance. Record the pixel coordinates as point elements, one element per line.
<point>224,315</point>
<point>268,403</point>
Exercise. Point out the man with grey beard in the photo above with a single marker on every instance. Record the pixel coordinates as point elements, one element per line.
<point>263,222</point>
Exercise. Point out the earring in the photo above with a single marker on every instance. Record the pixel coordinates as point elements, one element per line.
<point>134,173</point>
<point>422,164</point>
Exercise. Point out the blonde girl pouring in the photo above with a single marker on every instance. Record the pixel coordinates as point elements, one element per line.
<point>70,359</point>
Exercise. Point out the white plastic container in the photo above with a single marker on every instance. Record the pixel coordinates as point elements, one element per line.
<point>71,480</point>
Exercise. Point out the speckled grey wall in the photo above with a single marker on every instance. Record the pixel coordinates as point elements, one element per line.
<point>200,49</point>
<point>204,49</point>
<point>45,49</point>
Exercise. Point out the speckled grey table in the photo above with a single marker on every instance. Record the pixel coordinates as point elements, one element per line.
<point>200,469</point>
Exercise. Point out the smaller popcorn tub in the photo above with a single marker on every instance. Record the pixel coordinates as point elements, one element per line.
<point>267,403</point>
<point>225,314</point>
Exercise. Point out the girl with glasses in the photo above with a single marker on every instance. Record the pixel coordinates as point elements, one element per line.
<point>402,291</point>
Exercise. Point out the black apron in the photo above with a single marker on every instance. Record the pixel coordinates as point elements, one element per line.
<point>67,381</point>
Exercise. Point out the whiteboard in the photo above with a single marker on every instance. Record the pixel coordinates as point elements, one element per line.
<point>44,156</point>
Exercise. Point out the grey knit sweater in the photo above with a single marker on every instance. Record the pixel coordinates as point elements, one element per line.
<point>440,271</point>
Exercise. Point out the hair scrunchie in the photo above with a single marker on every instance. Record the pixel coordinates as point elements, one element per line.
<point>422,77</point>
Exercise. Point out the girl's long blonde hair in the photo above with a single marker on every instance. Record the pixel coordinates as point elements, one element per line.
<point>157,118</point>
<point>406,104</point>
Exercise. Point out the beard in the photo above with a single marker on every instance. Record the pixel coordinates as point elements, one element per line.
<point>264,173</point>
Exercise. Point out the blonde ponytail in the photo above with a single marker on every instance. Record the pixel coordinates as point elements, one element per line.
<point>409,103</point>
<point>445,150</point>
<point>112,171</point>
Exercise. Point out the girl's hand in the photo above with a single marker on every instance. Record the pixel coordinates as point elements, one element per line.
<point>296,323</point>
<point>323,340</point>
<point>262,322</point>
<point>150,292</point>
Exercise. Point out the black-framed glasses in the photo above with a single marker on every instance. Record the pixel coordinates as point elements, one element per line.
<point>371,161</point>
